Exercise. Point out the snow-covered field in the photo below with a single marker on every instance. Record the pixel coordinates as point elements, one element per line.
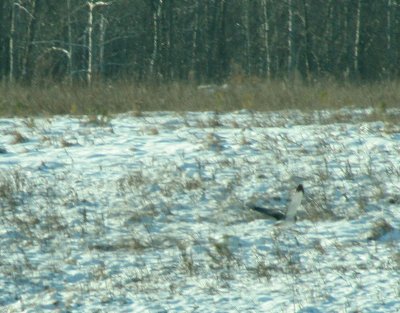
<point>148,213</point>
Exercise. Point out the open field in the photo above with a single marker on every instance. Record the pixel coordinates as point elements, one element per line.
<point>146,212</point>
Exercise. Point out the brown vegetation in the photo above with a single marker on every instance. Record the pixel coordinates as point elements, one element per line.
<point>252,94</point>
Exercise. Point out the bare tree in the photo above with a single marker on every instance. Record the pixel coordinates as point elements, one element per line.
<point>290,46</point>
<point>264,5</point>
<point>102,33</point>
<point>356,49</point>
<point>390,30</point>
<point>203,40</point>
<point>27,61</point>
<point>246,26</point>
<point>70,42</point>
<point>11,44</point>
<point>156,26</point>
<point>91,6</point>
<point>307,38</point>
<point>195,28</point>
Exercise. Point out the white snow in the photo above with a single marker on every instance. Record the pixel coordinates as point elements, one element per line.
<point>147,214</point>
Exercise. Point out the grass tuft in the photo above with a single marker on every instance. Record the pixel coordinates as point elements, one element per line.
<point>18,138</point>
<point>379,229</point>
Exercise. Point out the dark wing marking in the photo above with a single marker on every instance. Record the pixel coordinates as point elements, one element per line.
<point>300,188</point>
<point>270,212</point>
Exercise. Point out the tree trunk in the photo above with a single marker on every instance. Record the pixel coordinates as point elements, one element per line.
<point>192,74</point>
<point>70,45</point>
<point>290,47</point>
<point>156,26</point>
<point>266,38</point>
<point>11,44</point>
<point>102,31</point>
<point>307,41</point>
<point>246,25</point>
<point>91,6</point>
<point>28,58</point>
<point>391,64</point>
<point>90,43</point>
<point>356,52</point>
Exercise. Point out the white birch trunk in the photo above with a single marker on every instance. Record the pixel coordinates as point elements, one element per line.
<point>90,43</point>
<point>91,6</point>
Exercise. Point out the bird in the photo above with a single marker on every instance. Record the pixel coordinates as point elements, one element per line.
<point>290,214</point>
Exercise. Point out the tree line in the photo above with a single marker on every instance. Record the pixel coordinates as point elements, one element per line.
<point>198,40</point>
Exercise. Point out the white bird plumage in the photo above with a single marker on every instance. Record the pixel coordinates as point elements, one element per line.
<point>294,204</point>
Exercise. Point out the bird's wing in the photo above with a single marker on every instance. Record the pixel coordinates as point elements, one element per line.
<point>270,212</point>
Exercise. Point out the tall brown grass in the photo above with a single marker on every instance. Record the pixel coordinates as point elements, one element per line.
<point>254,94</point>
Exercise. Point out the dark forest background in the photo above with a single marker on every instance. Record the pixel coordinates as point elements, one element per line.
<point>198,40</point>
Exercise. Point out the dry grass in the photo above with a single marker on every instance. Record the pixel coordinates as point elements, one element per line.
<point>62,225</point>
<point>254,94</point>
<point>216,261</point>
<point>380,228</point>
<point>18,138</point>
